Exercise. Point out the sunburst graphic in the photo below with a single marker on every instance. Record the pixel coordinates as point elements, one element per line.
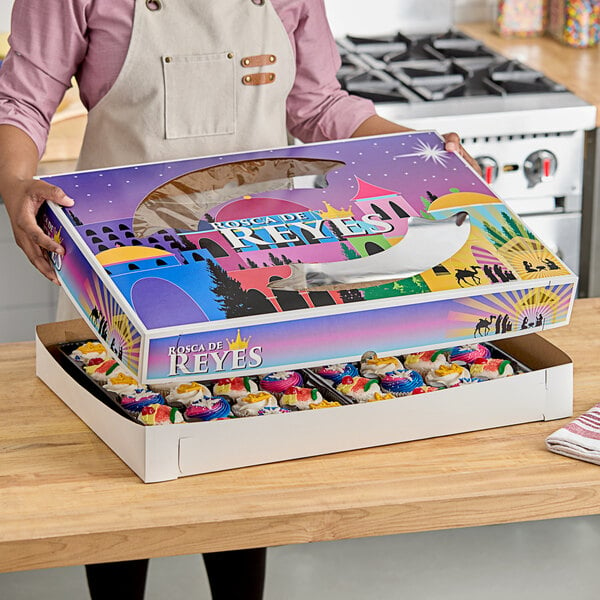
<point>530,259</point>
<point>507,312</point>
<point>436,154</point>
<point>111,323</point>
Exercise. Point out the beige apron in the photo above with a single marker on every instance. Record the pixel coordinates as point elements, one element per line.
<point>201,77</point>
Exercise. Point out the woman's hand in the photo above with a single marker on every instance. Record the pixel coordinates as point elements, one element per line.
<point>23,200</point>
<point>452,144</point>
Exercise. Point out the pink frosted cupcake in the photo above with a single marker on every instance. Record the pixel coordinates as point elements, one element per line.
<point>159,414</point>
<point>251,404</point>
<point>186,393</point>
<point>491,368</point>
<point>359,389</point>
<point>374,366</point>
<point>208,409</point>
<point>336,372</point>
<point>469,353</point>
<point>300,397</point>
<point>277,383</point>
<point>448,375</point>
<point>235,387</point>
<point>423,362</point>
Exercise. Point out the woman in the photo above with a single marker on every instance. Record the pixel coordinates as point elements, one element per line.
<point>162,80</point>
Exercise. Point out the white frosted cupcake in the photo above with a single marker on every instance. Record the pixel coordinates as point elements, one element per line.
<point>374,366</point>
<point>423,362</point>
<point>88,351</point>
<point>301,398</point>
<point>251,404</point>
<point>186,393</point>
<point>123,384</point>
<point>448,375</point>
<point>491,368</point>
<point>235,387</point>
<point>360,389</point>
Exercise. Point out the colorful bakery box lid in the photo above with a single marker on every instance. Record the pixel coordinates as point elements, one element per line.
<point>299,256</point>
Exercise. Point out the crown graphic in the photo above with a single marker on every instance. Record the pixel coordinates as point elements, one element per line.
<point>57,237</point>
<point>238,343</point>
<point>335,213</point>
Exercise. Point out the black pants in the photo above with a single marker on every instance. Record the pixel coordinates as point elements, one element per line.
<point>235,575</point>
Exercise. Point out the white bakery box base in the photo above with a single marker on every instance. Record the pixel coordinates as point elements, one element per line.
<point>166,452</point>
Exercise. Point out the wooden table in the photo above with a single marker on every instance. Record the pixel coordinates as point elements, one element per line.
<point>67,499</point>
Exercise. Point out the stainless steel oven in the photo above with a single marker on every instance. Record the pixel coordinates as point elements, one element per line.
<point>526,131</point>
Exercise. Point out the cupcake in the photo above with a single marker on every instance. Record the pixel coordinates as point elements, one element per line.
<point>300,397</point>
<point>100,372</point>
<point>423,362</point>
<point>324,404</point>
<point>186,393</point>
<point>377,396</point>
<point>360,389</point>
<point>491,368</point>
<point>123,384</point>
<point>469,353</point>
<point>336,372</point>
<point>424,389</point>
<point>208,409</point>
<point>373,366</point>
<point>251,404</point>
<point>401,382</point>
<point>135,402</point>
<point>277,383</point>
<point>159,414</point>
<point>87,351</point>
<point>235,388</point>
<point>448,375</point>
<point>273,409</point>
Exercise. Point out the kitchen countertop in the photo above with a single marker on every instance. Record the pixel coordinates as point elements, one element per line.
<point>575,68</point>
<point>67,499</point>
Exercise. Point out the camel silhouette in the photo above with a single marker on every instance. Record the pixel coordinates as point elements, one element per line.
<point>483,326</point>
<point>466,274</point>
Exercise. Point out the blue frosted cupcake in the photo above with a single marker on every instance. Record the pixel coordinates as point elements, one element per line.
<point>135,402</point>
<point>337,372</point>
<point>401,382</point>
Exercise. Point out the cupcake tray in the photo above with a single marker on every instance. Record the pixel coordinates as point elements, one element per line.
<point>543,390</point>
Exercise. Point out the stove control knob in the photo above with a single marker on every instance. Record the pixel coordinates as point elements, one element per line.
<point>489,168</point>
<point>539,166</point>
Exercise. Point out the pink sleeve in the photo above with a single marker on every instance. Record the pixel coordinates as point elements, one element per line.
<point>47,44</point>
<point>317,108</point>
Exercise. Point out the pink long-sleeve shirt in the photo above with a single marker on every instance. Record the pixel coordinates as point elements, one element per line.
<point>54,40</point>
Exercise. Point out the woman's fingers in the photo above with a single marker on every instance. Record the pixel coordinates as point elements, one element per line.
<point>452,144</point>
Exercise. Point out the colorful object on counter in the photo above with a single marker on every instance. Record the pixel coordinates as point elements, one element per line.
<point>336,372</point>
<point>401,382</point>
<point>360,389</point>
<point>277,383</point>
<point>449,375</point>
<point>138,400</point>
<point>423,362</point>
<point>301,397</point>
<point>235,387</point>
<point>372,366</point>
<point>159,414</point>
<point>250,405</point>
<point>123,384</point>
<point>208,409</point>
<point>575,22</point>
<point>469,353</point>
<point>88,351</point>
<point>186,393</point>
<point>520,18</point>
<point>491,368</point>
<point>324,404</point>
<point>101,372</point>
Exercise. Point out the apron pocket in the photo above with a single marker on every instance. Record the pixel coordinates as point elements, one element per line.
<point>199,95</point>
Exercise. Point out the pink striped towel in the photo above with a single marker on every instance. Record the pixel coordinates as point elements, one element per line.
<point>580,438</point>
